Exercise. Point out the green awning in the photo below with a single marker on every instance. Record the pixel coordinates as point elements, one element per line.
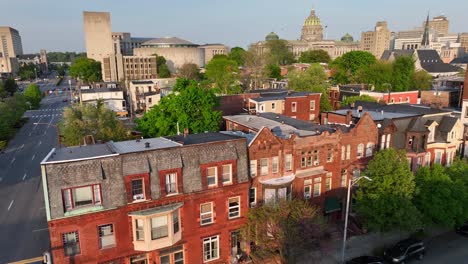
<point>332,205</point>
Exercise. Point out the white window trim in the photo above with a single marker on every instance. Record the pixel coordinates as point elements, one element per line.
<point>215,176</point>
<point>307,194</point>
<point>312,103</point>
<point>294,107</point>
<point>253,171</point>
<point>207,213</point>
<point>238,206</point>
<point>208,241</point>
<point>273,169</point>
<point>230,174</point>
<point>261,167</point>
<point>286,167</point>
<point>100,237</point>
<point>176,183</point>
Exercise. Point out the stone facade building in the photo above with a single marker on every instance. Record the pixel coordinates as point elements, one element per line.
<point>377,41</point>
<point>10,47</point>
<point>150,201</point>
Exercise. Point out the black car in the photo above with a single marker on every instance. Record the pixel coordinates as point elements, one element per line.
<point>463,229</point>
<point>405,250</point>
<point>366,260</point>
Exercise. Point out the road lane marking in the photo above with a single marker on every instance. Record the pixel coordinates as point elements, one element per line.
<point>24,176</point>
<point>40,142</point>
<point>30,133</point>
<point>33,157</point>
<point>41,229</point>
<point>22,146</point>
<point>10,205</point>
<point>13,160</point>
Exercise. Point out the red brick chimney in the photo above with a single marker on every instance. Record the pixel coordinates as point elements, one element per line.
<point>186,132</point>
<point>349,116</point>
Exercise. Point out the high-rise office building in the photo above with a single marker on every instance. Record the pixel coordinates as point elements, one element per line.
<point>377,41</point>
<point>10,47</point>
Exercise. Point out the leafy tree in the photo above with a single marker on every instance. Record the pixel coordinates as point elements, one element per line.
<point>274,71</point>
<point>3,92</point>
<point>281,229</point>
<point>192,107</point>
<point>352,99</point>
<point>314,79</point>
<point>421,80</point>
<point>278,52</point>
<point>33,95</point>
<point>28,71</point>
<point>438,197</point>
<point>386,201</point>
<point>162,68</point>
<point>457,173</point>
<point>255,63</point>
<point>314,56</point>
<point>378,74</point>
<point>87,70</point>
<point>237,54</point>
<point>10,86</point>
<point>64,56</point>
<point>346,66</point>
<point>11,109</point>
<point>224,74</point>
<point>190,71</point>
<point>90,119</point>
<point>403,70</point>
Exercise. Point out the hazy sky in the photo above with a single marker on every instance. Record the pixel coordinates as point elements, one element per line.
<point>57,25</point>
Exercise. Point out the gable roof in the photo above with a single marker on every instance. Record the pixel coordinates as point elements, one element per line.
<point>387,54</point>
<point>431,62</point>
<point>417,124</point>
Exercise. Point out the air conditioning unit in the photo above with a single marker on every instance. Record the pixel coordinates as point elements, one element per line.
<point>138,197</point>
<point>316,163</point>
<point>307,196</point>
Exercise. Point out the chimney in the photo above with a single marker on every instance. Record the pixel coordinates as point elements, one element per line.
<point>186,132</point>
<point>147,144</point>
<point>349,116</point>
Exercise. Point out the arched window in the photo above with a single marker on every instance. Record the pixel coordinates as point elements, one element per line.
<point>369,149</point>
<point>360,150</point>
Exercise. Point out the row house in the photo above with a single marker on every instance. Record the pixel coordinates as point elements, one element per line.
<point>427,135</point>
<point>290,157</point>
<point>172,200</point>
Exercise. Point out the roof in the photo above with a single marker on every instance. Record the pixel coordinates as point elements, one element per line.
<point>202,138</point>
<point>142,82</point>
<point>168,41</point>
<point>431,62</point>
<point>156,210</point>
<point>249,136</point>
<point>101,90</point>
<point>279,96</point>
<point>417,125</point>
<point>140,145</point>
<point>447,123</point>
<point>396,53</point>
<point>376,114</point>
<point>398,108</point>
<point>79,153</point>
<point>460,60</point>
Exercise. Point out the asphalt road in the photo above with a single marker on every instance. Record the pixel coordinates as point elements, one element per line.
<point>23,224</point>
<point>449,248</point>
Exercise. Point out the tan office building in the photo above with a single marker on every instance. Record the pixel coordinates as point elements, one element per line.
<point>464,41</point>
<point>377,41</point>
<point>439,24</point>
<point>10,47</point>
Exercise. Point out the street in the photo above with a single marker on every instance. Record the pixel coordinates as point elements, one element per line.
<point>23,223</point>
<point>447,248</point>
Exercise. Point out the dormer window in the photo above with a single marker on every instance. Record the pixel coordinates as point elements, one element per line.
<point>82,196</point>
<point>137,190</point>
<point>431,134</point>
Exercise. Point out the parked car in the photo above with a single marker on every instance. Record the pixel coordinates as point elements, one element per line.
<point>463,229</point>
<point>405,250</point>
<point>366,260</point>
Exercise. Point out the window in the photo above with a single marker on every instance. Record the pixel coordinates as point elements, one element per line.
<point>328,182</point>
<point>252,196</point>
<point>307,192</point>
<point>312,105</point>
<point>311,117</point>
<point>165,259</point>
<point>159,227</point>
<point>317,186</point>
<point>212,176</point>
<point>293,107</point>
<point>179,257</point>
<point>227,173</point>
<point>274,164</point>
<point>206,213</point>
<point>253,168</point>
<point>438,157</point>
<point>344,178</point>
<point>360,150</point>
<point>466,111</point>
<point>236,246</point>
<point>139,228</point>
<point>263,166</point>
<point>137,190</point>
<point>234,207</point>
<point>348,152</point>
<point>343,152</point>
<point>106,236</point>
<point>382,142</point>
<point>71,243</point>
<point>288,162</point>
<point>211,248</point>
<point>273,106</point>
<point>428,159</point>
<point>388,141</point>
<point>316,157</point>
<point>369,148</point>
<point>309,161</point>
<point>303,162</point>
<point>175,221</point>
<point>171,183</point>
<point>330,155</point>
<point>82,196</point>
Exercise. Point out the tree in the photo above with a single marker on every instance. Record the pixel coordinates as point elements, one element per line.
<point>10,86</point>
<point>11,109</point>
<point>28,72</point>
<point>438,197</point>
<point>33,95</point>
<point>314,79</point>
<point>237,54</point>
<point>352,99</point>
<point>190,71</point>
<point>192,107</point>
<point>3,92</point>
<point>457,173</point>
<point>279,229</point>
<point>346,66</point>
<point>386,201</point>
<point>87,70</point>
<point>278,52</point>
<point>314,56</point>
<point>403,70</point>
<point>379,74</point>
<point>274,71</point>
<point>162,69</point>
<point>421,80</point>
<point>224,74</point>
<point>255,63</point>
<point>90,119</point>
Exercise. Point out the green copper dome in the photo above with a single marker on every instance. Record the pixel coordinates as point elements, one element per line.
<point>312,20</point>
<point>347,38</point>
<point>271,36</point>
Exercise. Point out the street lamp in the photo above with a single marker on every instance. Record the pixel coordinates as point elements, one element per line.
<point>56,128</point>
<point>345,231</point>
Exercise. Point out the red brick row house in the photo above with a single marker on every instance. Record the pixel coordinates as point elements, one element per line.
<point>293,157</point>
<point>170,200</point>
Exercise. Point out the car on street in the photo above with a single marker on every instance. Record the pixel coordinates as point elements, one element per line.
<point>463,229</point>
<point>405,250</point>
<point>65,100</point>
<point>366,260</point>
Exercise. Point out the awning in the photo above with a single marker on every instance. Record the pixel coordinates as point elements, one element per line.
<point>157,210</point>
<point>311,172</point>
<point>278,181</point>
<point>332,205</point>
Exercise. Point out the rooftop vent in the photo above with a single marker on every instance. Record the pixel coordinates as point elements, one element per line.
<point>147,144</point>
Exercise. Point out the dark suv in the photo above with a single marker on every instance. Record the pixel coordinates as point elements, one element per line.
<point>405,250</point>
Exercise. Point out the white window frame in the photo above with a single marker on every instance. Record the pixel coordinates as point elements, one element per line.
<point>343,152</point>
<point>348,152</point>
<point>139,229</point>
<point>438,160</point>
<point>328,181</point>
<point>360,150</point>
<point>427,159</point>
<point>155,228</point>
<point>106,240</point>
<point>294,107</point>
<point>138,196</point>
<point>213,253</point>
<point>211,176</point>
<point>69,200</point>
<point>228,173</point>
<point>171,183</point>
<point>275,164</point>
<point>234,211</point>
<point>369,149</point>
<point>307,191</point>
<point>210,214</point>
<point>317,191</point>
<point>329,155</point>
<point>312,104</point>
<point>253,168</point>
<point>311,117</point>
<point>382,142</point>
<point>288,162</point>
<point>73,246</point>
<point>263,169</point>
<point>387,142</point>
<point>344,178</point>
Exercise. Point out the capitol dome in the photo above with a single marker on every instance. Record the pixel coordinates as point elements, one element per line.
<point>271,36</point>
<point>347,38</point>
<point>312,20</point>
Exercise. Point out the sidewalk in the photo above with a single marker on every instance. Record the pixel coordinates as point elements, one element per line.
<point>360,245</point>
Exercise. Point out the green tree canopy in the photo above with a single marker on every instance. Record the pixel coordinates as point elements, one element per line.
<point>224,74</point>
<point>28,71</point>
<point>379,75</point>
<point>87,70</point>
<point>403,70</point>
<point>33,95</point>
<point>11,109</point>
<point>64,56</point>
<point>280,230</point>
<point>274,71</point>
<point>278,52</point>
<point>345,67</point>
<point>314,79</point>
<point>90,119</point>
<point>162,68</point>
<point>386,201</point>
<point>353,99</point>
<point>314,56</point>
<point>237,54</point>
<point>458,172</point>
<point>255,63</point>
<point>190,71</point>
<point>421,80</point>
<point>10,86</point>
<point>192,107</point>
